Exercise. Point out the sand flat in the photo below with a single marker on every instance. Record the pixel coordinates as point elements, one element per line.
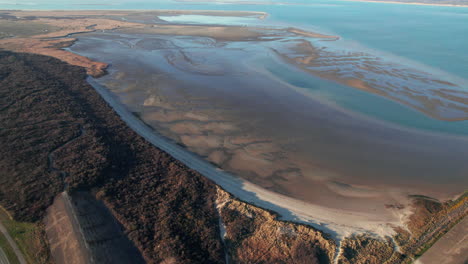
<point>281,140</point>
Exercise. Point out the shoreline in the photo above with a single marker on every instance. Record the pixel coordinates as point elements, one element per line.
<point>332,221</point>
<point>272,199</point>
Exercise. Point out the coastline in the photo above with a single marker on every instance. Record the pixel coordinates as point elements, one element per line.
<point>338,222</point>
<point>305,214</point>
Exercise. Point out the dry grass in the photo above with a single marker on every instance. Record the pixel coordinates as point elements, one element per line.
<point>28,237</point>
<point>8,250</point>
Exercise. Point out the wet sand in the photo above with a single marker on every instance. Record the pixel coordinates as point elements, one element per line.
<point>193,91</point>
<point>336,222</point>
<point>423,91</point>
<point>47,32</point>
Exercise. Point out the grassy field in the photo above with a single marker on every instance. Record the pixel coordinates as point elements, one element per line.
<point>28,237</point>
<point>8,250</point>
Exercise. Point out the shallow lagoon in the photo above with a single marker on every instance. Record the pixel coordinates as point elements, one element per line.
<point>372,106</point>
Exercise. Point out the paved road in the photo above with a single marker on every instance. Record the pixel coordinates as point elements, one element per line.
<point>3,257</point>
<point>13,245</point>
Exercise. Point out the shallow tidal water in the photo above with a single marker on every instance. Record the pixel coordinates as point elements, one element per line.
<point>251,119</point>
<point>428,36</point>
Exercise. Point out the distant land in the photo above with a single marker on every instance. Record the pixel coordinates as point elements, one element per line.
<point>414,2</point>
<point>463,3</point>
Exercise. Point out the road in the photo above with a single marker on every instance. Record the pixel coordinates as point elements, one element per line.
<point>3,257</point>
<point>13,245</point>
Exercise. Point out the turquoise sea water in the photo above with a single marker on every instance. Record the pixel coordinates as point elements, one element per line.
<point>436,36</point>
<point>374,106</point>
<point>431,38</point>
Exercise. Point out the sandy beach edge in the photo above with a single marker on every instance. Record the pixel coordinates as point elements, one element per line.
<point>338,223</point>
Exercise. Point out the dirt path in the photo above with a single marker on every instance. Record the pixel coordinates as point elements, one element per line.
<point>13,245</point>
<point>64,234</point>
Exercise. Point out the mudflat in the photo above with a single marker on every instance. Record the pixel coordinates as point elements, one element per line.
<point>249,123</point>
